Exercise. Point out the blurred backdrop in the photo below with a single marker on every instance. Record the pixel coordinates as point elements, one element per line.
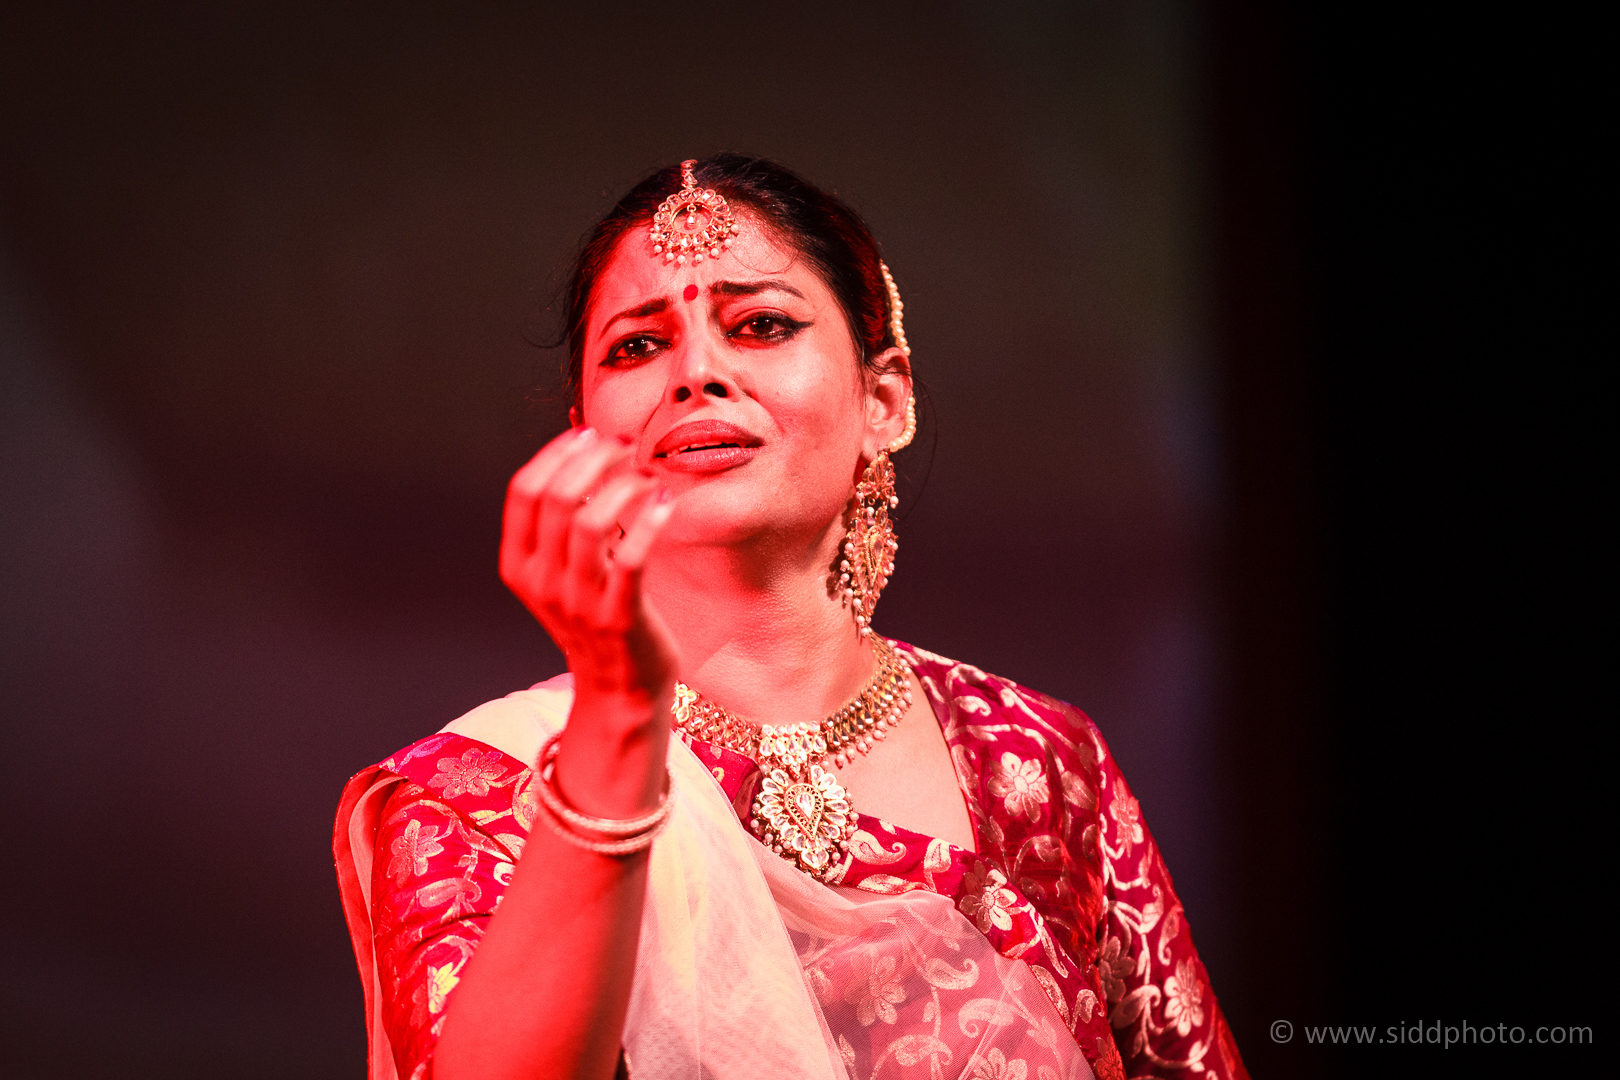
<point>274,282</point>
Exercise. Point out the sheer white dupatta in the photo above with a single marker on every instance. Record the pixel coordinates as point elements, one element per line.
<point>718,990</point>
<point>748,968</point>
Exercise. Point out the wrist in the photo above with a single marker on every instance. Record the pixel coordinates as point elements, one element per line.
<point>618,837</point>
<point>611,759</point>
<point>619,720</point>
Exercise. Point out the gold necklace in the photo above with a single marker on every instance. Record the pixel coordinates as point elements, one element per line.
<point>802,812</point>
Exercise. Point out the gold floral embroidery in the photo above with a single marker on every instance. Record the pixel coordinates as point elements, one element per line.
<point>876,995</point>
<point>525,803</point>
<point>1111,896</point>
<point>471,773</point>
<point>513,842</point>
<point>441,980</point>
<point>1102,894</point>
<point>1054,992</point>
<point>462,894</point>
<point>1084,1005</point>
<point>986,899</point>
<point>1088,844</point>
<point>1114,967</point>
<point>1127,814</point>
<point>936,860</point>
<point>887,884</point>
<point>1078,792</point>
<point>975,705</point>
<point>412,849</point>
<point>1021,785</point>
<point>1184,994</point>
<point>870,850</point>
<point>995,1066</point>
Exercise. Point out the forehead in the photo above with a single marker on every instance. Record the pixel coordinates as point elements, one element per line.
<point>634,275</point>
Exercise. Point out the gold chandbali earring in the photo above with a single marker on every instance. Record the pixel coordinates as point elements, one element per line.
<point>694,223</point>
<point>801,811</point>
<point>870,543</point>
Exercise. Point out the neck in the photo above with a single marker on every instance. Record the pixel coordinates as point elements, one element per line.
<point>757,631</point>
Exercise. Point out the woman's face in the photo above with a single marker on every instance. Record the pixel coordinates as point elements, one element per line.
<point>738,382</point>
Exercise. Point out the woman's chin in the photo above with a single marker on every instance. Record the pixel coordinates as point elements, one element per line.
<point>718,513</point>
<point>705,516</point>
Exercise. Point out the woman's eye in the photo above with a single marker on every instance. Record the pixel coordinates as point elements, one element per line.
<point>633,349</point>
<point>767,328</point>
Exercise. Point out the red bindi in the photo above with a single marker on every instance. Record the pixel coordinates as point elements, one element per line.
<point>690,293</point>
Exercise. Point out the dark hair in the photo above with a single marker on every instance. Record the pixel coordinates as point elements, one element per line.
<point>823,230</point>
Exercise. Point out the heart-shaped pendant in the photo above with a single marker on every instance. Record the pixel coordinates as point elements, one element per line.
<point>805,819</point>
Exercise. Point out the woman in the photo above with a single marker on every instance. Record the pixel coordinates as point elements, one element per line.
<point>869,860</point>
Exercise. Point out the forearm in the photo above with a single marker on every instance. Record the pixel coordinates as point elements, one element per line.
<point>546,993</point>
<point>547,990</point>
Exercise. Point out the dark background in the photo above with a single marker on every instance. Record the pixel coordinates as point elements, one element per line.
<point>1253,439</point>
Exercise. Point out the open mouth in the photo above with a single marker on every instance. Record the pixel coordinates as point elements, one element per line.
<point>704,445</point>
<point>696,447</point>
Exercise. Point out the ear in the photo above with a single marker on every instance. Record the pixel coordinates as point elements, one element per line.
<point>576,415</point>
<point>886,399</point>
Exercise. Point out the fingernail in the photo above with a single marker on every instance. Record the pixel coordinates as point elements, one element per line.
<point>586,433</point>
<point>664,496</point>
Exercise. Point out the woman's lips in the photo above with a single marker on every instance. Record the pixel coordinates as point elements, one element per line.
<point>708,459</point>
<point>701,446</point>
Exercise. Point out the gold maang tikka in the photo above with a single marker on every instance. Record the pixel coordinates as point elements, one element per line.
<point>694,223</point>
<point>870,543</point>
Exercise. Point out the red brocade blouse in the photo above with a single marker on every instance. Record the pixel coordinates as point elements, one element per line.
<point>1066,876</point>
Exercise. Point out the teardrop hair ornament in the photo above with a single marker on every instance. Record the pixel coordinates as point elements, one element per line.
<point>692,224</point>
<point>870,543</point>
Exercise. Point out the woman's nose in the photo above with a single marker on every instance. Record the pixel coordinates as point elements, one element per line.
<point>701,373</point>
<point>713,389</point>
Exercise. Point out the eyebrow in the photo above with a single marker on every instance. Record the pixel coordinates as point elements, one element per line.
<point>640,311</point>
<point>719,288</point>
<point>752,288</point>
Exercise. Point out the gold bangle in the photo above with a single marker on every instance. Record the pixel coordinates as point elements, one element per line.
<point>629,834</point>
<point>628,846</point>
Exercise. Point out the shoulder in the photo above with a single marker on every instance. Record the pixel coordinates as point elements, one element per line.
<point>478,767</point>
<point>510,729</point>
<point>519,723</point>
<point>980,706</point>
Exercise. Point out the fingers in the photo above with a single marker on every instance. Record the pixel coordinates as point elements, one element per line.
<point>542,501</point>
<point>518,518</point>
<point>596,525</point>
<point>622,591</point>
<point>562,498</point>
<point>532,477</point>
<point>578,526</point>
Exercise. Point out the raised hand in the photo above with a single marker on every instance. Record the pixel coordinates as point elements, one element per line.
<point>579,522</point>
